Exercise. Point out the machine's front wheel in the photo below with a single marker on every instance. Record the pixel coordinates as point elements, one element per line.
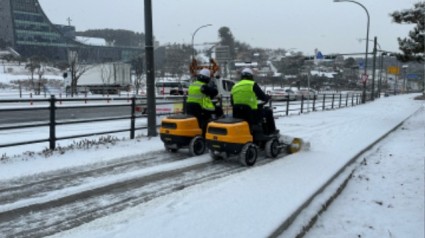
<point>197,146</point>
<point>248,155</point>
<point>272,148</point>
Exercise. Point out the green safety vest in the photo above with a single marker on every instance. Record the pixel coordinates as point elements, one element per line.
<point>196,96</point>
<point>243,93</point>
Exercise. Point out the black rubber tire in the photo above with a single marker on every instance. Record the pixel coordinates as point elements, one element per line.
<point>197,146</point>
<point>248,155</point>
<point>272,148</point>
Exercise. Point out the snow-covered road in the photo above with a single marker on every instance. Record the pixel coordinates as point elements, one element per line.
<point>251,203</point>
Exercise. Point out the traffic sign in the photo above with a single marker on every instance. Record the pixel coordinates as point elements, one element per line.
<point>393,70</point>
<point>222,53</point>
<point>412,76</point>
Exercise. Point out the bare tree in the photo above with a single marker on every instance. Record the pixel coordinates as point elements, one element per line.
<point>137,65</point>
<point>32,66</point>
<point>76,69</point>
<point>40,73</point>
<point>106,73</point>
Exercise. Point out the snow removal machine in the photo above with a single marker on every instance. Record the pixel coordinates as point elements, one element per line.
<point>182,130</point>
<point>233,137</point>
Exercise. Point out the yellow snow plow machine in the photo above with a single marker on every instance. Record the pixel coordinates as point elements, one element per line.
<point>182,131</point>
<point>228,137</point>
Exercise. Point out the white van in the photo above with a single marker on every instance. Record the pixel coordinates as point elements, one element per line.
<point>172,87</point>
<point>224,86</point>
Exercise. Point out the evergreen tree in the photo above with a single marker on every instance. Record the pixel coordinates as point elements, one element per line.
<point>226,38</point>
<point>413,46</point>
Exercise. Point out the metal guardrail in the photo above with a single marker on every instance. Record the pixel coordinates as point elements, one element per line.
<point>322,102</point>
<point>53,123</point>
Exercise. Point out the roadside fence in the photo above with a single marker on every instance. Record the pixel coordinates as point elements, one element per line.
<point>132,109</point>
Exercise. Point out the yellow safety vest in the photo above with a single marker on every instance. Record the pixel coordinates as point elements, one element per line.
<point>243,93</point>
<point>196,96</point>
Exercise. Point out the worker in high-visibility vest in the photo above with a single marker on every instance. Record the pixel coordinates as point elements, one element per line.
<point>244,98</point>
<point>199,100</point>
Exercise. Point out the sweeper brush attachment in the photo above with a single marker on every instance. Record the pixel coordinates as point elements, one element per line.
<point>294,144</point>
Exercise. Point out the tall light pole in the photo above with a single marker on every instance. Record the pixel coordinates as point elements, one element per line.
<point>193,38</point>
<point>367,45</point>
<point>150,70</point>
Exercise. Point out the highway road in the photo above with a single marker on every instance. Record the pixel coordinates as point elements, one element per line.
<point>28,116</point>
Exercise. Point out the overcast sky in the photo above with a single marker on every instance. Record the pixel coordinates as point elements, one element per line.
<point>301,25</point>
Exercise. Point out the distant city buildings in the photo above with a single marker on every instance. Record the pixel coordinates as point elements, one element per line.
<point>25,28</point>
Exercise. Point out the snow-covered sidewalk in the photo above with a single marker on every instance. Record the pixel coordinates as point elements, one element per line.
<point>385,197</point>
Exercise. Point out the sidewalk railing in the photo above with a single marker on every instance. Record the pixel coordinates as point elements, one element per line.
<point>54,105</point>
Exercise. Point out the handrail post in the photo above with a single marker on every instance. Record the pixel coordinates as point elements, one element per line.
<point>340,99</point>
<point>287,107</point>
<point>324,101</point>
<point>346,100</point>
<point>133,118</point>
<point>20,89</point>
<point>302,103</point>
<point>314,104</point>
<point>52,137</point>
<point>333,99</point>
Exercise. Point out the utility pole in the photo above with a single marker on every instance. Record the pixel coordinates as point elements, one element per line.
<point>150,70</point>
<point>374,67</point>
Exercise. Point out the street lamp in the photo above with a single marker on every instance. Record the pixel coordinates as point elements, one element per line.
<point>367,45</point>
<point>379,46</point>
<point>193,37</point>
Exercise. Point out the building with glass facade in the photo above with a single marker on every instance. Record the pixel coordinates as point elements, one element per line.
<point>25,28</point>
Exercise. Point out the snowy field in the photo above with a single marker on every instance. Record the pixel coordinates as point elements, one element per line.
<point>385,198</point>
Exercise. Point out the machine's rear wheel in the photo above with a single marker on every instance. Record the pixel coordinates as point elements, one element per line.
<point>197,146</point>
<point>272,148</point>
<point>248,155</point>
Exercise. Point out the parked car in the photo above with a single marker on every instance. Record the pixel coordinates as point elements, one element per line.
<point>282,94</point>
<point>307,94</point>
